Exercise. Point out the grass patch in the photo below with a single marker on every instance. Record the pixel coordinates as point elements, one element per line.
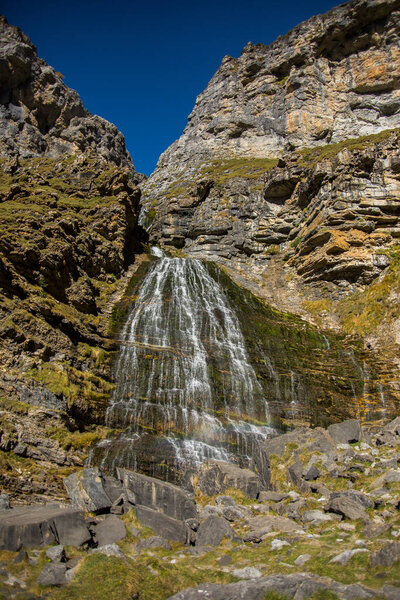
<point>309,157</point>
<point>222,171</point>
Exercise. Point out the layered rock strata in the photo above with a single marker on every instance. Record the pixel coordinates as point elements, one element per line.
<point>40,115</point>
<point>288,173</point>
<point>69,204</point>
<point>333,77</point>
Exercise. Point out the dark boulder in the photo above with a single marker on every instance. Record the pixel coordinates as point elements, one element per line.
<point>158,495</point>
<point>386,556</point>
<point>53,574</point>
<point>212,531</point>
<point>347,507</point>
<point>346,432</point>
<point>155,541</point>
<point>214,477</point>
<point>86,491</point>
<point>30,526</point>
<point>162,525</point>
<point>111,530</point>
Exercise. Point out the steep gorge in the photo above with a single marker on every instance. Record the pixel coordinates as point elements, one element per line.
<point>271,180</point>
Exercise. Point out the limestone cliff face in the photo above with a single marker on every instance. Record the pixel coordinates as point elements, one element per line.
<point>288,173</point>
<point>40,115</point>
<point>69,206</point>
<point>333,77</point>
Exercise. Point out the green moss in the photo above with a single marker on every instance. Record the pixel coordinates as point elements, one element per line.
<point>221,171</point>
<point>309,157</point>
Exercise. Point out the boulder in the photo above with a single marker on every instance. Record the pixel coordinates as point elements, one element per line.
<point>387,555</point>
<point>212,531</point>
<point>109,550</point>
<point>162,524</point>
<point>53,574</point>
<point>295,585</point>
<point>155,541</point>
<point>111,530</point>
<point>216,476</point>
<point>235,513</point>
<point>30,526</point>
<point>316,516</point>
<point>158,495</point>
<point>344,557</point>
<point>347,507</point>
<point>346,432</point>
<point>311,473</point>
<point>269,496</point>
<point>56,553</point>
<point>247,573</point>
<point>312,440</point>
<point>4,501</point>
<point>262,525</point>
<point>86,492</point>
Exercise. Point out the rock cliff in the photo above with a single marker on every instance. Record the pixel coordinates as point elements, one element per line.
<point>40,115</point>
<point>288,172</point>
<point>69,205</point>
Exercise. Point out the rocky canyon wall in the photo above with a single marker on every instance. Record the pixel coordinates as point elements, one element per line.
<point>69,205</point>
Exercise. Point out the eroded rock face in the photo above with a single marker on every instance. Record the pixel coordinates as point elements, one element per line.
<point>69,210</point>
<point>40,114</point>
<point>332,77</point>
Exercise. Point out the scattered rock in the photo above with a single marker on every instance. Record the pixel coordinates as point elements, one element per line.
<point>109,550</point>
<point>154,541</point>
<point>158,495</point>
<point>344,557</point>
<point>4,501</point>
<point>86,492</point>
<point>212,531</point>
<point>56,553</point>
<point>316,516</point>
<point>268,496</point>
<point>278,544</point>
<point>247,573</point>
<point>387,555</point>
<point>346,506</point>
<point>302,559</point>
<point>30,526</point>
<point>346,432</point>
<point>162,524</point>
<point>53,574</point>
<point>311,473</point>
<point>111,530</point>
<point>217,476</point>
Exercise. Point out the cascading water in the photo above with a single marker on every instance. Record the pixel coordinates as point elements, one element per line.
<point>185,390</point>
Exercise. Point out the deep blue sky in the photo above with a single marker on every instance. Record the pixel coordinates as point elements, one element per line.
<point>141,64</point>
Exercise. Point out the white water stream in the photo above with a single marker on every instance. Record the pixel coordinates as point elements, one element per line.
<point>183,372</point>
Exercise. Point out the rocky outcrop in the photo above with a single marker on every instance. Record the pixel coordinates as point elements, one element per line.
<point>332,77</point>
<point>40,115</point>
<point>288,174</point>
<point>69,206</point>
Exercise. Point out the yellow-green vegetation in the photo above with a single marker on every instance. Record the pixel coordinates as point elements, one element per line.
<point>77,440</point>
<point>74,385</point>
<point>309,157</point>
<point>362,312</point>
<point>221,171</point>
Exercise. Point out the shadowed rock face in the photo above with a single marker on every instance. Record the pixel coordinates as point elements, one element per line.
<point>40,114</point>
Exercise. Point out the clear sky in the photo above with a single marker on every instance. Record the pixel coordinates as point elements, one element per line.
<point>141,64</point>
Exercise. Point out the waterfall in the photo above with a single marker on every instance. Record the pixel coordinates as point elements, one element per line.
<point>185,389</point>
